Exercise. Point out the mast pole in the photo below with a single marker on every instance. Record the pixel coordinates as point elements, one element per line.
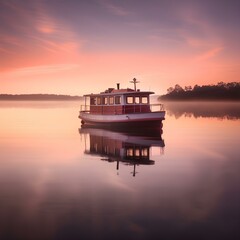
<point>134,81</point>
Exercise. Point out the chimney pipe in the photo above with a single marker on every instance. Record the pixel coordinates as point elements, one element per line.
<point>118,86</point>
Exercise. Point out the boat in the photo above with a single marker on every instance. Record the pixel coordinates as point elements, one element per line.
<point>121,108</point>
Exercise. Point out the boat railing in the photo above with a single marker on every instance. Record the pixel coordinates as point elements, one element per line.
<point>85,108</point>
<point>157,107</point>
<point>135,108</point>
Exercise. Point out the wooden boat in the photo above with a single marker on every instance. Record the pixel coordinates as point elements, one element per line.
<point>120,108</point>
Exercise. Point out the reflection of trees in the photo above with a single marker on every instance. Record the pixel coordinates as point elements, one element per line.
<point>222,110</point>
<point>221,91</point>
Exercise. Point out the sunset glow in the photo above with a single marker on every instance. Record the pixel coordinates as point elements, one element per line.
<point>77,47</point>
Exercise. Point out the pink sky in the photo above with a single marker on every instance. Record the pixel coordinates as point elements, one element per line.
<point>81,47</point>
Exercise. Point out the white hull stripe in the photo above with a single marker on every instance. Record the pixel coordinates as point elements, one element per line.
<point>153,116</point>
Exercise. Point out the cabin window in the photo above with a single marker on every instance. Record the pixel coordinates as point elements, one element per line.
<point>93,101</point>
<point>130,100</point>
<point>144,100</point>
<point>129,152</point>
<point>105,100</point>
<point>137,152</point>
<point>137,100</point>
<point>118,100</point>
<point>111,100</point>
<point>99,100</point>
<point>145,152</point>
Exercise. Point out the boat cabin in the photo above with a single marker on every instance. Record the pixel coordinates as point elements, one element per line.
<point>118,101</point>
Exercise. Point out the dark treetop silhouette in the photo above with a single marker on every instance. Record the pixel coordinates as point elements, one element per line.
<point>221,91</point>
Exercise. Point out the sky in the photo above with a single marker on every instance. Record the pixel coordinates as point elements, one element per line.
<point>85,46</point>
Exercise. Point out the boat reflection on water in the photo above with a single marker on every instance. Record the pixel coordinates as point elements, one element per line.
<point>130,147</point>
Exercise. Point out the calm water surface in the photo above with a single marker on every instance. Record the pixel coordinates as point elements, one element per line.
<point>58,181</point>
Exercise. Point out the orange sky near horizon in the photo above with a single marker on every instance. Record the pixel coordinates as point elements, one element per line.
<point>75,48</point>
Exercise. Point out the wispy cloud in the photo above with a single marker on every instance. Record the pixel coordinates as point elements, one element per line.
<point>7,39</point>
<point>34,33</point>
<point>45,26</point>
<point>44,23</point>
<point>114,9</point>
<point>199,35</point>
<point>209,54</point>
<point>66,46</point>
<point>165,35</point>
<point>43,69</point>
<point>196,42</point>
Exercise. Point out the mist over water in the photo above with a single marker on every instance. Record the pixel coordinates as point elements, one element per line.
<point>196,109</point>
<point>58,181</point>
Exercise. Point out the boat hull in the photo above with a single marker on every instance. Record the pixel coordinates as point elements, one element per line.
<point>150,120</point>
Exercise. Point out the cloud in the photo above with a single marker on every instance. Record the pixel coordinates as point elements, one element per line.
<point>46,27</point>
<point>44,22</point>
<point>42,69</point>
<point>4,50</point>
<point>209,54</point>
<point>33,33</point>
<point>66,46</point>
<point>113,8</point>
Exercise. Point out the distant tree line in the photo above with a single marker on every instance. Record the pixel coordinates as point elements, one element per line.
<point>221,91</point>
<point>37,97</point>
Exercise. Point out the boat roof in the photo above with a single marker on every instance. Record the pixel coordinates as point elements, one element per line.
<point>112,92</point>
